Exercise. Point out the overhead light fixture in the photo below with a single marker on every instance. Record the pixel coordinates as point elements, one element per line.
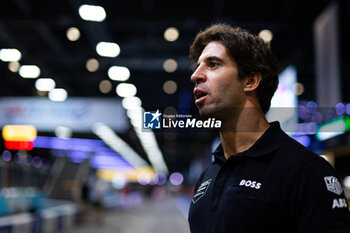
<point>266,35</point>
<point>170,87</point>
<point>118,73</point>
<point>105,86</point>
<point>119,145</point>
<point>135,116</point>
<point>107,49</point>
<point>171,34</point>
<point>155,156</point>
<point>126,90</point>
<point>170,110</point>
<point>92,13</point>
<point>29,71</point>
<point>7,55</point>
<point>147,139</point>
<point>14,66</point>
<point>92,65</point>
<point>73,34</point>
<point>170,65</point>
<point>58,94</point>
<point>45,84</point>
<point>131,102</point>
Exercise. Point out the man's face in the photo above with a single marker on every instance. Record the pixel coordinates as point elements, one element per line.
<point>217,91</point>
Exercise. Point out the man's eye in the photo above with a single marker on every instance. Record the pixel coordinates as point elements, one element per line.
<point>213,64</point>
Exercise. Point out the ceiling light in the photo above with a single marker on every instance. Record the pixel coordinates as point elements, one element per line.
<point>147,139</point>
<point>105,86</point>
<point>170,87</point>
<point>14,66</point>
<point>135,114</point>
<point>170,111</point>
<point>45,84</point>
<point>92,13</point>
<point>150,146</point>
<point>73,34</point>
<point>171,34</point>
<point>170,65</point>
<point>107,49</point>
<point>92,65</point>
<point>29,71</point>
<point>118,73</point>
<point>118,144</point>
<point>131,102</point>
<point>58,94</point>
<point>126,90</point>
<point>10,55</point>
<point>266,35</point>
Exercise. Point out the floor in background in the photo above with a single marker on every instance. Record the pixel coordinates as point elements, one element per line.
<point>163,216</point>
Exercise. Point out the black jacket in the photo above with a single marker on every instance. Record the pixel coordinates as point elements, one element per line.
<point>275,186</point>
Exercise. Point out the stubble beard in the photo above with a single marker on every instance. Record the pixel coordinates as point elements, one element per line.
<point>225,115</point>
<point>205,113</point>
<point>210,112</point>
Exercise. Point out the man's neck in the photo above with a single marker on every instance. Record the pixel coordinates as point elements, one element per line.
<point>240,133</point>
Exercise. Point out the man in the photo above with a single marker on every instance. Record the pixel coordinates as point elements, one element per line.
<point>261,180</point>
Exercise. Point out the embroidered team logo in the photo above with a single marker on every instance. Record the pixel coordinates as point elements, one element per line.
<point>202,189</point>
<point>333,185</point>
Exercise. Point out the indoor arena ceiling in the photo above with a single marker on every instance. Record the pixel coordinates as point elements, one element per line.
<point>38,29</point>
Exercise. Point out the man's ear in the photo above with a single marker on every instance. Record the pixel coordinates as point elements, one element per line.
<point>251,82</point>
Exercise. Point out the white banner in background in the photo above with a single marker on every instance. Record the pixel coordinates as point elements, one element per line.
<point>79,114</point>
<point>326,38</point>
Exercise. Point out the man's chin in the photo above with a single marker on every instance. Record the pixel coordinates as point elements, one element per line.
<point>212,112</point>
<point>206,112</point>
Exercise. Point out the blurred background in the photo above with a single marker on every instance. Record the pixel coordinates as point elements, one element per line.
<point>76,77</point>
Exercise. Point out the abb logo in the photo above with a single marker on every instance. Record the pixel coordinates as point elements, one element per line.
<point>250,184</point>
<point>339,203</point>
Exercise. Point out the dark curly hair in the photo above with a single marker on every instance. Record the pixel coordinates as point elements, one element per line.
<point>250,52</point>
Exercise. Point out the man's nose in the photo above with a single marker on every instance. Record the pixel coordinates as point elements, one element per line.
<point>198,75</point>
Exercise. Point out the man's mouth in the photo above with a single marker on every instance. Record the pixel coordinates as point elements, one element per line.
<point>199,95</point>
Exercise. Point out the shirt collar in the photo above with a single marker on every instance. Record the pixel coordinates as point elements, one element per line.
<point>271,140</point>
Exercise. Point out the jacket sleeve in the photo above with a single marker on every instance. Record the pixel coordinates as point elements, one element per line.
<point>317,199</point>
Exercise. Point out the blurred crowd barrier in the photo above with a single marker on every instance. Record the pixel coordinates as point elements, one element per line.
<point>28,210</point>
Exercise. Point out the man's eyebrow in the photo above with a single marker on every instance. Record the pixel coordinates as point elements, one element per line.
<point>194,66</point>
<point>211,58</point>
<point>214,58</point>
